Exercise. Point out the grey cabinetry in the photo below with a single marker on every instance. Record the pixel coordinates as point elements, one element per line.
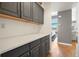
<point>35,52</point>
<point>10,8</point>
<point>26,54</point>
<point>26,10</point>
<point>38,13</point>
<point>41,15</point>
<point>45,46</point>
<point>35,48</point>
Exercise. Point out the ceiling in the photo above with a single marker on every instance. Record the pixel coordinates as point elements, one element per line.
<point>58,6</point>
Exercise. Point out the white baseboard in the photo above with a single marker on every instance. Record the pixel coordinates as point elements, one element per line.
<point>65,44</point>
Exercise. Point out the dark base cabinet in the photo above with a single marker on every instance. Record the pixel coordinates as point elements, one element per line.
<point>26,54</point>
<point>35,52</point>
<point>45,46</point>
<point>37,48</point>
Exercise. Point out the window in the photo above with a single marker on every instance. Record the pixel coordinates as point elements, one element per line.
<point>54,22</point>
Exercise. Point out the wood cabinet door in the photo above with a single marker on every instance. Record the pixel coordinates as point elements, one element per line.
<point>26,10</point>
<point>10,8</point>
<point>41,15</point>
<point>35,12</point>
<point>35,52</point>
<point>38,13</point>
<point>26,54</point>
<point>45,46</point>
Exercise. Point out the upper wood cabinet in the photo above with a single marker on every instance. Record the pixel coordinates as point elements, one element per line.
<point>41,15</point>
<point>26,10</point>
<point>10,8</point>
<point>38,13</point>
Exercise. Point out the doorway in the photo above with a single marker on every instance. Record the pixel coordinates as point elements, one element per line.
<point>54,26</point>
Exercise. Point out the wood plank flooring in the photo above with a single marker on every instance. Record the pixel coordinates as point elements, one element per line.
<point>60,50</point>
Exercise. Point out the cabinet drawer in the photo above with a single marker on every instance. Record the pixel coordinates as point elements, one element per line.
<point>16,52</point>
<point>34,43</point>
<point>45,38</point>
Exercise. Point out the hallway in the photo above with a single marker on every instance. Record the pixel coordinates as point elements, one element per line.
<point>60,50</point>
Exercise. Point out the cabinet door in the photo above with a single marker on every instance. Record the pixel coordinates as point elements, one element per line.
<point>45,46</point>
<point>41,15</point>
<point>25,54</point>
<point>10,8</point>
<point>45,49</point>
<point>37,13</point>
<point>35,52</point>
<point>26,10</point>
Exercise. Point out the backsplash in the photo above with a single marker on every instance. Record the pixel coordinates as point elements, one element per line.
<point>10,28</point>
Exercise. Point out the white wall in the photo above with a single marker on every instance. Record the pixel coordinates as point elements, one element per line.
<point>77,17</point>
<point>47,17</point>
<point>47,21</point>
<point>77,13</point>
<point>74,18</point>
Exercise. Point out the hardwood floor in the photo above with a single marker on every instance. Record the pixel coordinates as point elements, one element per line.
<point>60,50</point>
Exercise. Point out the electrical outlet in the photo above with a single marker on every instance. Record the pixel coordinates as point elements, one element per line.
<point>2,25</point>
